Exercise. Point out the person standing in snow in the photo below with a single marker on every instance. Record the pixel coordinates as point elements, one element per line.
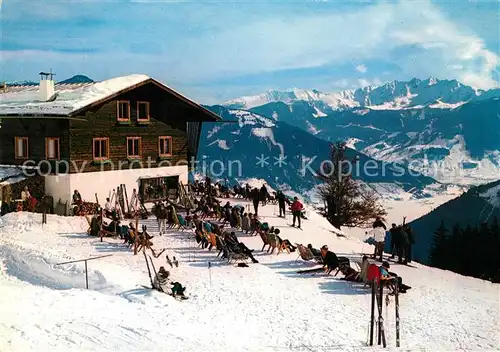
<point>281,202</point>
<point>255,200</point>
<point>245,223</point>
<point>263,194</point>
<point>296,211</point>
<point>379,229</point>
<point>395,243</point>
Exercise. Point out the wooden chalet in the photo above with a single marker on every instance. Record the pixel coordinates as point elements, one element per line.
<point>130,130</point>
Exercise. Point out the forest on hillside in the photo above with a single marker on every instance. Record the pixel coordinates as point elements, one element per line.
<point>471,251</point>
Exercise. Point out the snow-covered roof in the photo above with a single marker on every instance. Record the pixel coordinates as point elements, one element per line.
<point>14,174</point>
<point>70,97</point>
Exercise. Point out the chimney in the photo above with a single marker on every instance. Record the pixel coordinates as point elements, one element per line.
<point>46,89</point>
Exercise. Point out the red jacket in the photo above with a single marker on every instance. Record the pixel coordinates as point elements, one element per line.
<point>297,206</point>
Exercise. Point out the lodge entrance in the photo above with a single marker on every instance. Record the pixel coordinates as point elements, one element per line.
<point>159,188</point>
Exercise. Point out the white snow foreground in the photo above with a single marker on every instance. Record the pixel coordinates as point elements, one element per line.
<point>265,307</point>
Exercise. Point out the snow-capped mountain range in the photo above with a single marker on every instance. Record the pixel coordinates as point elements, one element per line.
<point>397,95</point>
<point>255,136</point>
<point>441,128</point>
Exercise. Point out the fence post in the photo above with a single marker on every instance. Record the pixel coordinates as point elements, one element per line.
<point>86,271</point>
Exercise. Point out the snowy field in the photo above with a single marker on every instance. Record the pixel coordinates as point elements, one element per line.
<point>264,307</point>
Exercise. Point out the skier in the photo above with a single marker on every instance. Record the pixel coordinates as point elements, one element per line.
<point>281,202</point>
<point>296,211</point>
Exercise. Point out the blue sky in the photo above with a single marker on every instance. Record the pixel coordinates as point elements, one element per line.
<point>217,50</point>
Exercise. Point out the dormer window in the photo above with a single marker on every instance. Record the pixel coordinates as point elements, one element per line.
<point>123,111</point>
<point>142,111</point>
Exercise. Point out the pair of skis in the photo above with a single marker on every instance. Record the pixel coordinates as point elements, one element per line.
<point>377,294</point>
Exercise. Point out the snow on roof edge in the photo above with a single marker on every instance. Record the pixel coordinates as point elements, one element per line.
<point>68,100</point>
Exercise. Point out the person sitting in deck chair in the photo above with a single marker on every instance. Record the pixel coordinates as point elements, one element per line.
<point>284,243</point>
<point>316,252</point>
<point>236,246</point>
<point>108,208</point>
<point>330,259</point>
<point>161,280</point>
<point>350,274</point>
<point>392,279</point>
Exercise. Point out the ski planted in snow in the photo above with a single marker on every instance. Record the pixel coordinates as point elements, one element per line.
<point>396,303</point>
<point>380,318</point>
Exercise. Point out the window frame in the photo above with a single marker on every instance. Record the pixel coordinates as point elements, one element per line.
<point>58,151</point>
<point>140,148</point>
<point>16,154</point>
<point>118,102</point>
<point>165,138</point>
<point>107,149</point>
<point>148,118</point>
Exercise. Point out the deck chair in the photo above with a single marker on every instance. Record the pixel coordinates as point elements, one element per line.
<point>306,254</point>
<point>273,243</point>
<point>182,223</point>
<point>264,238</point>
<point>343,261</point>
<point>89,221</point>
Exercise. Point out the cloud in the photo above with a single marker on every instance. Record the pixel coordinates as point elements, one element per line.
<point>361,68</point>
<point>197,43</point>
<point>363,82</point>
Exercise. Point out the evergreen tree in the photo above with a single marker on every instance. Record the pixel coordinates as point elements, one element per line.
<point>439,248</point>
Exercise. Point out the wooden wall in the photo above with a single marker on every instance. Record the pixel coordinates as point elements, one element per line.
<point>102,122</point>
<point>36,130</point>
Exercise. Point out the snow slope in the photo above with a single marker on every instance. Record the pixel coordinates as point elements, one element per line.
<point>265,307</point>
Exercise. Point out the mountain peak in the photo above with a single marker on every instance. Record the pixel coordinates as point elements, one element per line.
<point>393,95</point>
<point>78,79</point>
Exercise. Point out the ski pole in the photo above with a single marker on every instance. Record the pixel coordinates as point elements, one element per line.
<point>210,273</point>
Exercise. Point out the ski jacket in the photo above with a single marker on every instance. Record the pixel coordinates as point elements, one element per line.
<point>297,206</point>
<point>378,234</point>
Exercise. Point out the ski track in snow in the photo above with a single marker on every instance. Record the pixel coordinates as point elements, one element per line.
<point>265,307</point>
